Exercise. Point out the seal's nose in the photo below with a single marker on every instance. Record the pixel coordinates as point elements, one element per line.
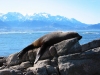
<point>79,37</point>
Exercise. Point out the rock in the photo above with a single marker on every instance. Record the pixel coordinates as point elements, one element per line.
<point>46,54</point>
<point>25,64</point>
<point>43,70</point>
<point>79,67</point>
<point>38,70</point>
<point>2,67</point>
<point>18,72</point>
<point>25,57</point>
<point>54,62</point>
<point>31,55</point>
<point>29,73</point>
<point>75,49</point>
<point>91,54</point>
<point>52,70</point>
<point>43,63</point>
<point>17,67</point>
<point>91,45</point>
<point>2,61</point>
<point>53,51</point>
<point>7,72</point>
<point>12,60</point>
<point>65,46</point>
<point>22,66</point>
<point>13,72</point>
<point>87,63</point>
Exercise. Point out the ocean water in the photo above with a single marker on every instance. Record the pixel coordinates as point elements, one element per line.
<point>12,42</point>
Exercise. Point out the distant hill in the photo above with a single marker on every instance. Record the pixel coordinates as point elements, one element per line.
<point>3,26</point>
<point>41,21</point>
<point>94,26</point>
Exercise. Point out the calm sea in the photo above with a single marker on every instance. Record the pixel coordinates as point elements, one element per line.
<point>12,42</point>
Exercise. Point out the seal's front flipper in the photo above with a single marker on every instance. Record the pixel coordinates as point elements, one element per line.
<point>40,52</point>
<point>37,58</point>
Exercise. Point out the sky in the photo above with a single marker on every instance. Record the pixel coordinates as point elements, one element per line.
<point>86,11</point>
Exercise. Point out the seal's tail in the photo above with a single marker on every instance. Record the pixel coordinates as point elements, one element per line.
<point>20,54</point>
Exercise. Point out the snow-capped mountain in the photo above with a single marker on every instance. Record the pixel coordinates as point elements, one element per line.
<point>15,16</point>
<point>11,16</point>
<point>38,21</point>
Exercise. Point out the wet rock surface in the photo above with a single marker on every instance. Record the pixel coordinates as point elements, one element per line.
<point>67,57</point>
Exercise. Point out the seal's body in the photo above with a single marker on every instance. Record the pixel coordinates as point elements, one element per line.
<point>48,40</point>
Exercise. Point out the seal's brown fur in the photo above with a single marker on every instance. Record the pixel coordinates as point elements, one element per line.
<point>48,40</point>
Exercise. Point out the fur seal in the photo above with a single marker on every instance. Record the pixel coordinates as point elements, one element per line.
<point>48,40</point>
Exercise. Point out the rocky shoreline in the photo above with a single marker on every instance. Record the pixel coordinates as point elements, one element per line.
<point>67,57</point>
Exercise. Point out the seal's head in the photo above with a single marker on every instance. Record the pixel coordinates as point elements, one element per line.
<point>73,35</point>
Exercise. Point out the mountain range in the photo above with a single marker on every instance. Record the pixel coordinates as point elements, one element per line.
<point>40,22</point>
